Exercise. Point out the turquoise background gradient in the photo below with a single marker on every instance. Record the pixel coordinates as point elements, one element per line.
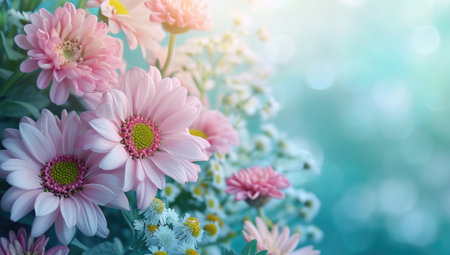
<point>365,85</point>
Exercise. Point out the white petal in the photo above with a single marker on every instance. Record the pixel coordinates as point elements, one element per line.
<point>102,229</point>
<point>10,196</point>
<point>129,178</point>
<point>98,193</point>
<point>45,203</point>
<point>20,165</point>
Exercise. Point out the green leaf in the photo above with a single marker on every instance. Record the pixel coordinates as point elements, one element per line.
<point>225,251</point>
<point>250,248</point>
<point>107,248</point>
<point>5,73</point>
<point>17,107</point>
<point>10,52</point>
<point>79,244</point>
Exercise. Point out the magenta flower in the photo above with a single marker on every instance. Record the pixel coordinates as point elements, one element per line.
<point>256,185</point>
<point>50,174</point>
<point>72,50</point>
<point>216,129</point>
<point>142,130</point>
<point>272,241</point>
<point>131,17</point>
<point>19,244</point>
<point>179,16</point>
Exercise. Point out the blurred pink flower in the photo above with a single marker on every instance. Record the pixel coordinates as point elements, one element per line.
<point>142,129</point>
<point>273,242</point>
<point>50,173</point>
<point>18,244</point>
<point>178,16</point>
<point>71,49</point>
<point>256,183</point>
<point>131,17</point>
<point>216,129</point>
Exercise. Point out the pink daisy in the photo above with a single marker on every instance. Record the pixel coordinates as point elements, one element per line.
<point>72,50</point>
<point>18,244</point>
<point>131,17</point>
<point>179,16</point>
<point>272,241</point>
<point>256,185</point>
<point>216,129</point>
<point>51,174</point>
<point>142,129</point>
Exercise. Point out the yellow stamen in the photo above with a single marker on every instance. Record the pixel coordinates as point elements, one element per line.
<point>119,7</point>
<point>198,133</point>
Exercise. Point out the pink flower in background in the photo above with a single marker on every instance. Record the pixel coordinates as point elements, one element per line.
<point>50,174</point>
<point>256,183</point>
<point>142,129</point>
<point>70,49</point>
<point>216,129</point>
<point>179,16</point>
<point>272,241</point>
<point>19,244</point>
<point>131,17</point>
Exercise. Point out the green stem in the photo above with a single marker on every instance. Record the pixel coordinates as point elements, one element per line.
<point>12,80</point>
<point>82,4</point>
<point>169,53</point>
<point>263,216</point>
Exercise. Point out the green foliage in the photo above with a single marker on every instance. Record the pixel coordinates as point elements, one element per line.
<point>107,248</point>
<point>10,52</point>
<point>249,249</point>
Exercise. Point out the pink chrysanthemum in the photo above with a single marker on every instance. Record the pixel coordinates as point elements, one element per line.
<point>19,244</point>
<point>71,49</point>
<point>179,16</point>
<point>256,185</point>
<point>273,242</point>
<point>142,128</point>
<point>216,129</point>
<point>51,174</point>
<point>131,17</point>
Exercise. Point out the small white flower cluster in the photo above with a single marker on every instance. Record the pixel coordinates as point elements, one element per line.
<point>18,19</point>
<point>165,232</point>
<point>309,204</point>
<point>310,233</point>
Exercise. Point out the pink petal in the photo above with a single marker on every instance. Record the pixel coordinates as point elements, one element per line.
<point>170,166</point>
<point>102,230</point>
<point>59,92</point>
<point>44,79</point>
<point>69,211</point>
<point>24,180</point>
<point>107,129</point>
<point>64,233</point>
<point>10,196</point>
<point>34,140</point>
<point>130,170</point>
<point>87,220</point>
<point>145,192</point>
<point>28,65</point>
<point>24,204</point>
<point>45,203</point>
<point>114,159</point>
<point>42,223</point>
<point>153,173</point>
<point>97,193</point>
<point>20,165</point>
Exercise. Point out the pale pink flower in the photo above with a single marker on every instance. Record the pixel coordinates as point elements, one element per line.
<point>50,174</point>
<point>142,129</point>
<point>179,16</point>
<point>216,129</point>
<point>256,185</point>
<point>131,17</point>
<point>19,244</point>
<point>274,242</point>
<point>72,50</point>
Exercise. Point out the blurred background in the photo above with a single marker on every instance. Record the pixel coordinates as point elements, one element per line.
<point>365,85</point>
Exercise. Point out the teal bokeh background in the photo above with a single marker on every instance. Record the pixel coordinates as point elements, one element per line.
<point>365,85</point>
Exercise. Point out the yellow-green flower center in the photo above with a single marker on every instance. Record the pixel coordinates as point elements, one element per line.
<point>193,225</point>
<point>211,229</point>
<point>159,253</point>
<point>70,51</point>
<point>198,133</point>
<point>159,205</point>
<point>152,228</point>
<point>191,252</point>
<point>213,217</point>
<point>168,190</point>
<point>142,136</point>
<point>197,190</point>
<point>65,172</point>
<point>119,7</point>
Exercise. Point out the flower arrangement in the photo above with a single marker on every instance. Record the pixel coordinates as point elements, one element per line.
<point>175,158</point>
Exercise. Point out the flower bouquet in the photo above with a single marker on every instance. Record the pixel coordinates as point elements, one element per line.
<point>174,157</point>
